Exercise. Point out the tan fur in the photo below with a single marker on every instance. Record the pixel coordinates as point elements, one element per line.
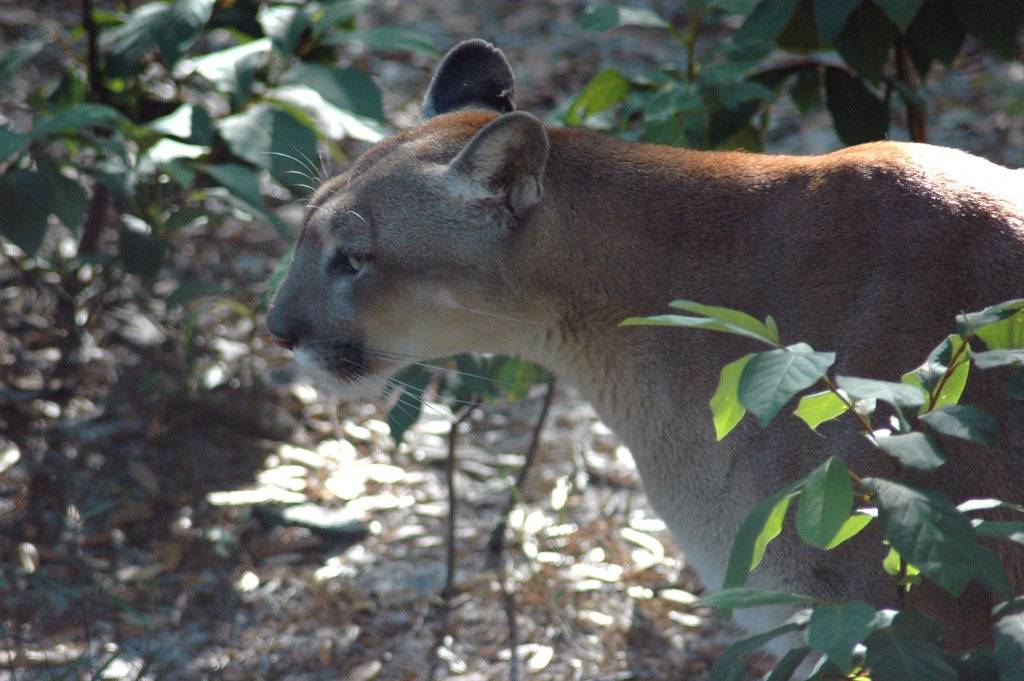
<point>869,252</point>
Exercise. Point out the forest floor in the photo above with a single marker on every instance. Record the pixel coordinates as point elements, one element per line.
<point>202,512</point>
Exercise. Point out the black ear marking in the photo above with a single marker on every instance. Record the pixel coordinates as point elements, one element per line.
<point>474,74</point>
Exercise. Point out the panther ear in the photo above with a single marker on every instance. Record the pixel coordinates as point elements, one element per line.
<point>474,74</point>
<point>505,160</point>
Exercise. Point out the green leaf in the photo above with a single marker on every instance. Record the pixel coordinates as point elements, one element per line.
<point>929,375</point>
<point>787,666</point>
<point>1000,529</point>
<point>994,22</point>
<point>517,376</point>
<point>23,216</point>
<point>65,197</point>
<point>348,89</point>
<point>191,290</point>
<point>929,532</point>
<point>167,150</point>
<point>965,422</point>
<point>75,118</point>
<point>902,12</point>
<point>1007,334</point>
<point>767,22</point>
<point>232,70</point>
<point>607,88</point>
<point>851,527</point>
<point>831,15</point>
<point>388,39</point>
<point>189,122</point>
<point>732,664</point>
<point>606,17</point>
<point>806,91</point>
<point>13,57</point>
<point>762,524</point>
<point>408,405</point>
<point>272,139</point>
<point>708,323</point>
<point>331,121</point>
<point>171,28</point>
<point>817,408</point>
<point>866,42</point>
<point>998,358</point>
<point>969,323</point>
<point>284,24</point>
<point>826,500</point>
<point>858,115</point>
<point>920,451</point>
<point>892,562</point>
<point>896,394</point>
<point>243,183</point>
<point>770,379</point>
<point>745,597</point>
<point>11,143</point>
<point>726,408</point>
<point>834,630</point>
<point>729,316</point>
<point>905,650</point>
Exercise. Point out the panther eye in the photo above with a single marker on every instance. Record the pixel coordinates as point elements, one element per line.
<point>345,263</point>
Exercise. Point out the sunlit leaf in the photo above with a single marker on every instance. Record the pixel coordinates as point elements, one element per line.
<point>726,408</point>
<point>745,597</point>
<point>826,499</point>
<point>762,524</point>
<point>607,88</point>
<point>818,408</point>
<point>606,17</point>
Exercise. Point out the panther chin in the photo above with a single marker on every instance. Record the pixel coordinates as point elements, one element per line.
<point>364,381</point>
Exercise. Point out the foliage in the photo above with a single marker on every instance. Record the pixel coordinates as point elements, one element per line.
<point>850,55</point>
<point>929,537</point>
<point>182,114</point>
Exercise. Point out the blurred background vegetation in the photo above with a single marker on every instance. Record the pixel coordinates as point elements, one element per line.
<point>176,501</point>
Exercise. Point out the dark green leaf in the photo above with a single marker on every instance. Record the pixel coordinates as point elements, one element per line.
<point>866,41</point>
<point>11,143</point>
<point>65,198</point>
<point>1009,648</point>
<point>994,22</point>
<point>75,118</point>
<point>240,180</point>
<point>321,115</point>
<point>23,216</point>
<point>170,28</point>
<point>762,524</point>
<point>834,630</point>
<point>929,532</point>
<point>191,290</point>
<point>826,500</point>
<point>744,597</point>
<point>896,394</point>
<point>907,649</point>
<point>766,23</point>
<point>902,12</point>
<point>1016,385</point>
<point>13,57</point>
<point>1000,529</point>
<point>726,409</point>
<point>349,89</point>
<point>787,666</point>
<point>965,422</point>
<point>806,91</point>
<point>857,114</point>
<point>388,39</point>
<point>914,450</point>
<point>273,139</point>
<point>771,379</point>
<point>607,88</point>
<point>606,17</point>
<point>998,358</point>
<point>732,664</point>
<point>408,405</point>
<point>142,253</point>
<point>937,32</point>
<point>831,16</point>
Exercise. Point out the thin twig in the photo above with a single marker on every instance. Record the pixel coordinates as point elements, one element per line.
<point>496,543</point>
<point>509,595</point>
<point>449,579</point>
